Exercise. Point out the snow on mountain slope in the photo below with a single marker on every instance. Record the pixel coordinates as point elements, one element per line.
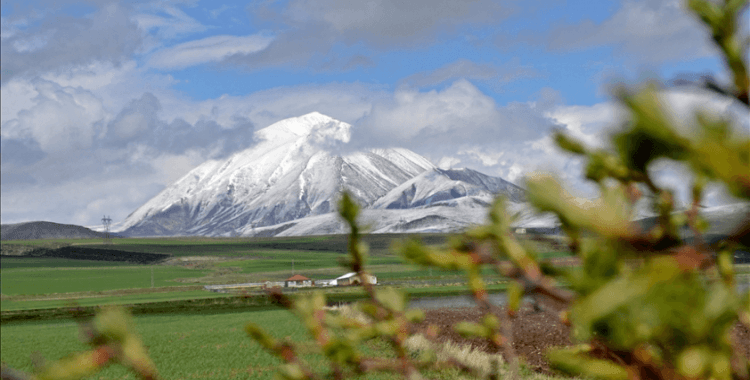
<point>289,174</point>
<point>418,220</point>
<point>443,218</point>
<point>438,185</point>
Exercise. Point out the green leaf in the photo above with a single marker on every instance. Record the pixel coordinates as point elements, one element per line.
<point>575,362</point>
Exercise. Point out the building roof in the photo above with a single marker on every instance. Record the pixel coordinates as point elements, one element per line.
<point>297,277</point>
<point>351,274</point>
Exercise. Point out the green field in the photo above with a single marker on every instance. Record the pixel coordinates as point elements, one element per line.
<point>127,299</point>
<point>209,347</point>
<point>182,346</point>
<point>54,262</point>
<point>191,333</point>
<point>47,280</point>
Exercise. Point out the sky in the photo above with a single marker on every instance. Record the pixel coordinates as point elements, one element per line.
<point>105,103</point>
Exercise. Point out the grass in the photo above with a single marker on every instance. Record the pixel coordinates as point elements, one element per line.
<point>11,305</point>
<point>192,346</point>
<point>190,334</point>
<point>45,280</point>
<point>184,347</point>
<point>281,260</point>
<point>54,262</point>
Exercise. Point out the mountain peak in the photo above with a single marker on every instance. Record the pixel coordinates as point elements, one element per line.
<point>318,127</point>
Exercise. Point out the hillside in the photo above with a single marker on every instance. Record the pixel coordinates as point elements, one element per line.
<point>46,230</point>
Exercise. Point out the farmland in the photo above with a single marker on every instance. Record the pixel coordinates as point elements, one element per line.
<point>191,333</point>
<point>212,347</point>
<point>48,281</point>
<point>42,280</point>
<point>185,347</point>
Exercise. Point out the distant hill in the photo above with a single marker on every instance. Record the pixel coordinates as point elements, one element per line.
<point>46,230</point>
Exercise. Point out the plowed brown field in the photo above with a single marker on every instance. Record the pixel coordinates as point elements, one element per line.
<point>534,332</point>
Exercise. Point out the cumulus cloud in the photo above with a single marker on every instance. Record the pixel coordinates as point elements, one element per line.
<point>73,203</point>
<point>138,117</point>
<point>308,30</point>
<point>644,31</point>
<point>106,35</point>
<point>61,119</point>
<point>458,114</point>
<point>391,22</point>
<point>209,49</point>
<point>59,133</point>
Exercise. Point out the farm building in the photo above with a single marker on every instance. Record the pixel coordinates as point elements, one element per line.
<point>325,282</point>
<point>352,278</point>
<point>297,281</point>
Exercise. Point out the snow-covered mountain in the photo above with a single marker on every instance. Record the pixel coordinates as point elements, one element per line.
<point>438,186</point>
<point>289,183</point>
<point>293,172</point>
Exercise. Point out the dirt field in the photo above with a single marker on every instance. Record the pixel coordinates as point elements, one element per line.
<point>534,333</point>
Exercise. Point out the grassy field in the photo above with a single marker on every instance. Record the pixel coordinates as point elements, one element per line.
<point>188,346</point>
<point>50,282</point>
<point>127,299</point>
<point>46,280</point>
<point>208,347</point>
<point>54,262</point>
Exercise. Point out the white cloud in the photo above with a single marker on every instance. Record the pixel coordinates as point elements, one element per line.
<point>53,43</point>
<point>682,104</point>
<point>61,119</point>
<point>71,202</point>
<point>490,158</point>
<point>175,24</point>
<point>586,123</point>
<point>16,95</point>
<point>645,31</point>
<point>94,76</point>
<point>392,21</point>
<point>411,114</point>
<point>447,162</point>
<point>209,49</point>
<point>31,44</point>
<point>309,30</point>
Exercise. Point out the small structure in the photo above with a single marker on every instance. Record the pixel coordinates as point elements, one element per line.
<point>352,278</point>
<point>298,281</point>
<point>325,283</point>
<point>520,230</point>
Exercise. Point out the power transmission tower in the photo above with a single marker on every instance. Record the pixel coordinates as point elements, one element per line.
<point>106,221</point>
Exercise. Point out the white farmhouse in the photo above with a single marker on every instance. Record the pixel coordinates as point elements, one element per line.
<point>298,281</point>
